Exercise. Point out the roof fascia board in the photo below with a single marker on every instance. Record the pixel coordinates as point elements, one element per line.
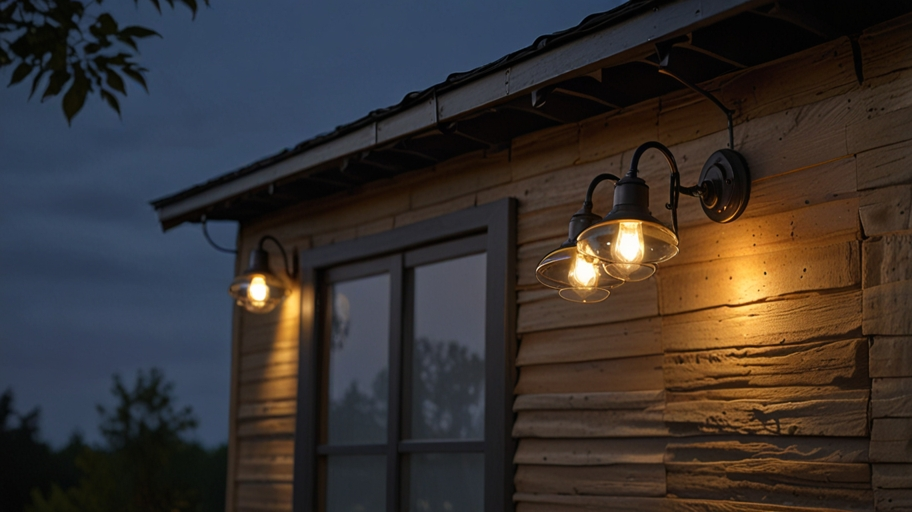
<point>576,56</point>
<point>352,142</point>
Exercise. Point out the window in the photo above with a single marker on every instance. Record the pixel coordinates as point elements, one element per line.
<point>406,374</point>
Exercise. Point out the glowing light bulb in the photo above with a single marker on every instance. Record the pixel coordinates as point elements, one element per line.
<point>258,291</point>
<point>628,247</point>
<point>584,273</point>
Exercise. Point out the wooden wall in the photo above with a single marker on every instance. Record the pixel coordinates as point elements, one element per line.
<point>769,363</point>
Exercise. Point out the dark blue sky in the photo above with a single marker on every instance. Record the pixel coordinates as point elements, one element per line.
<point>90,284</point>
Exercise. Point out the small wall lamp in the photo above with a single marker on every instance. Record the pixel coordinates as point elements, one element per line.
<point>257,289</point>
<point>628,243</point>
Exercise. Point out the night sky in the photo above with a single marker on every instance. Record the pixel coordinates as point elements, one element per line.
<point>90,284</point>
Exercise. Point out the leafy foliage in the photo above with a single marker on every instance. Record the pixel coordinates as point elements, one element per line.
<point>147,464</point>
<point>68,44</point>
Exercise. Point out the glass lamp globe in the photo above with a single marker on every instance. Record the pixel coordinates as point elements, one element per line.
<point>577,277</point>
<point>258,290</point>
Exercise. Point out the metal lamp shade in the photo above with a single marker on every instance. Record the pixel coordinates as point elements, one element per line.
<point>555,271</point>
<point>611,241</point>
<point>258,290</point>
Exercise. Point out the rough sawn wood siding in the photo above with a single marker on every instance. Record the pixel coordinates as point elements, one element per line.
<point>767,367</point>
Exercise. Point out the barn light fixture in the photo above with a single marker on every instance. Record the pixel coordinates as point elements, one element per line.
<point>257,289</point>
<point>628,243</point>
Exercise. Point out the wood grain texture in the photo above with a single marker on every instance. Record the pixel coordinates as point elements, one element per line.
<point>723,448</point>
<point>268,390</point>
<point>591,401</point>
<point>891,440</point>
<point>269,497</point>
<point>823,224</point>
<point>890,356</point>
<point>887,259</point>
<point>630,374</point>
<point>893,500</point>
<point>885,210</point>
<point>267,409</point>
<point>892,398</point>
<point>461,176</point>
<point>794,319</point>
<point>876,132</point>
<point>731,281</point>
<point>545,150</point>
<point>885,166</point>
<point>613,480</point>
<point>590,452</point>
<point>840,363</point>
<point>891,476</point>
<point>606,341</point>
<point>282,426</point>
<point>265,460</point>
<point>527,502</point>
<point>886,309</point>
<point>809,484</point>
<point>589,424</point>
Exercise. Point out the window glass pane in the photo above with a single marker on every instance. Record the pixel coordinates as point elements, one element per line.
<point>446,482</point>
<point>358,357</point>
<point>355,483</point>
<point>448,350</point>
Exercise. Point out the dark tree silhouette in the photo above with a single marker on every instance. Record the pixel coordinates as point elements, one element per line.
<point>73,42</point>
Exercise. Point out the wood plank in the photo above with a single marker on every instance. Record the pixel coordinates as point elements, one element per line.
<point>273,371</point>
<point>796,319</point>
<point>281,333</point>
<point>879,131</point>
<point>268,390</point>
<point>841,363</point>
<point>267,409</point>
<point>598,401</point>
<point>435,210</point>
<point>886,210</point>
<point>265,460</point>
<point>717,448</point>
<point>775,395</point>
<point>528,502</point>
<point>886,47</point>
<point>752,278</point>
<point>885,166</point>
<point>887,259</point>
<point>891,440</point>
<point>283,426</point>
<point>264,496</point>
<point>461,176</point>
<point>613,480</point>
<point>886,309</point>
<point>629,374</point>
<point>891,476</point>
<point>810,484</point>
<point>891,357</point>
<point>610,134</point>
<point>799,418</point>
<point>263,359</point>
<point>544,150</point>
<point>628,302</point>
<point>528,257</point>
<point>590,452</point>
<point>898,500</point>
<point>801,188</point>
<point>824,224</point>
<point>588,424</point>
<point>892,398</point>
<point>607,341</point>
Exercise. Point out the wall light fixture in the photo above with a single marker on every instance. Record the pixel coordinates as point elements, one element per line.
<point>257,289</point>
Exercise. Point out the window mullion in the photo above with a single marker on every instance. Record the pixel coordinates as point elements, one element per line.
<point>394,401</point>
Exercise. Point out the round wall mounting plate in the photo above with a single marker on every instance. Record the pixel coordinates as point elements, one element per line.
<point>728,180</point>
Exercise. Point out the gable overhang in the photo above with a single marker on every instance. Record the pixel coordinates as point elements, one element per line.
<point>606,63</point>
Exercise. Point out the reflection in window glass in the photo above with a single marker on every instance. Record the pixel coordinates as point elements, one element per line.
<point>355,483</point>
<point>448,350</point>
<point>446,482</point>
<point>358,357</point>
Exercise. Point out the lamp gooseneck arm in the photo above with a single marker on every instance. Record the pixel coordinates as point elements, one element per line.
<point>281,249</point>
<point>674,186</point>
<point>594,183</point>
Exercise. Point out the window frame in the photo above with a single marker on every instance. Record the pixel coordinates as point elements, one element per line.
<point>497,221</point>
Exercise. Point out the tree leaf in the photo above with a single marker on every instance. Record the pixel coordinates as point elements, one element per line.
<point>111,100</point>
<point>55,84</point>
<point>35,82</point>
<point>137,31</point>
<point>22,70</point>
<point>115,82</point>
<point>128,41</point>
<point>136,76</point>
<point>106,24</point>
<point>75,97</point>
